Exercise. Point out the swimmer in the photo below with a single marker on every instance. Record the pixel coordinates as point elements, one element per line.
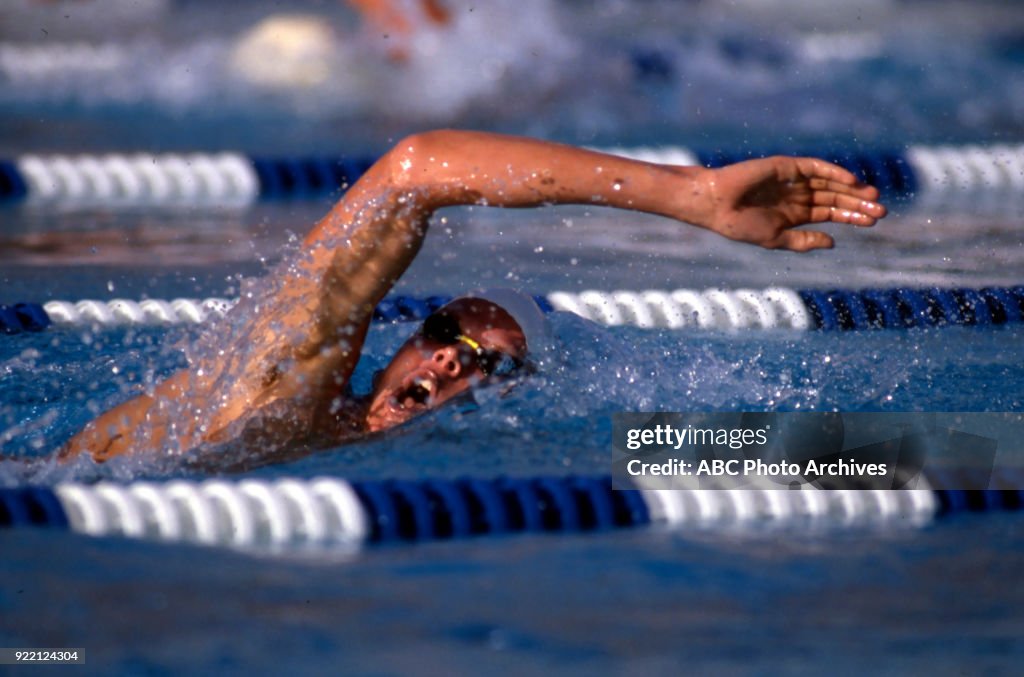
<point>282,383</point>
<point>295,51</point>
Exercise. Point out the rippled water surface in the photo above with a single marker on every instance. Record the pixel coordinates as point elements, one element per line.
<point>780,74</point>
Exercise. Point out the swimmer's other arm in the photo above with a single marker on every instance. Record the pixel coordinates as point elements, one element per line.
<point>304,345</point>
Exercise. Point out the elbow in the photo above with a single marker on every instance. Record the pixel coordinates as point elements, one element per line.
<point>412,162</point>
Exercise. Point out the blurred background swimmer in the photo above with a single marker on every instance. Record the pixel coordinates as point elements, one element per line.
<point>599,73</point>
<point>390,63</point>
<point>463,50</point>
<point>297,51</point>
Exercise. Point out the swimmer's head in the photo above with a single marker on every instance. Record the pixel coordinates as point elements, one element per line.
<point>479,338</point>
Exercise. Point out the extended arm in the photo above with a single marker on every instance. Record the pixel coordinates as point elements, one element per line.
<point>384,216</point>
<point>758,201</point>
<point>303,344</point>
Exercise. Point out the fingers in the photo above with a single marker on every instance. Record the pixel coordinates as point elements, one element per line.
<point>804,240</point>
<point>827,198</point>
<point>849,200</point>
<point>812,168</point>
<point>861,190</point>
<point>830,206</point>
<point>822,213</point>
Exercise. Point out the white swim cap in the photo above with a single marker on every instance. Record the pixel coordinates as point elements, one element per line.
<point>527,314</point>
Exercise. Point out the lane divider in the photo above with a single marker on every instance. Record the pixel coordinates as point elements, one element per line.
<point>712,309</point>
<point>933,174</point>
<point>294,512</point>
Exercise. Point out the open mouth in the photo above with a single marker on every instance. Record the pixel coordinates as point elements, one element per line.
<point>416,393</point>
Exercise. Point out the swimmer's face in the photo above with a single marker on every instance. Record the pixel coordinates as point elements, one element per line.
<point>464,343</point>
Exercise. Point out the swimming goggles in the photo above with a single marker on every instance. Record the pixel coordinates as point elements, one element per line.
<point>445,329</point>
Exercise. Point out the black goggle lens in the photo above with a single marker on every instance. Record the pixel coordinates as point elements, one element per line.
<point>442,328</point>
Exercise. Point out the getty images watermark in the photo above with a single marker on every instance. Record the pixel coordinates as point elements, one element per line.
<point>827,450</point>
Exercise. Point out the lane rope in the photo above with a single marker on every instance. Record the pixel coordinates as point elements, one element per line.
<point>710,309</point>
<point>328,511</point>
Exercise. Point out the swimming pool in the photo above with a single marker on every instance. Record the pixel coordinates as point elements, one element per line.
<point>944,598</point>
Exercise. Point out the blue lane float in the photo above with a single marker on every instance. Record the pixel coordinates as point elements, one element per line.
<point>21,317</point>
<point>711,309</point>
<point>932,174</point>
<point>290,512</point>
<point>12,183</point>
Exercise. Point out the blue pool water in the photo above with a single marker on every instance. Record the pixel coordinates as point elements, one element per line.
<point>945,599</point>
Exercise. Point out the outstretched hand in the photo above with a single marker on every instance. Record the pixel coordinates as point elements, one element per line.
<point>762,201</point>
